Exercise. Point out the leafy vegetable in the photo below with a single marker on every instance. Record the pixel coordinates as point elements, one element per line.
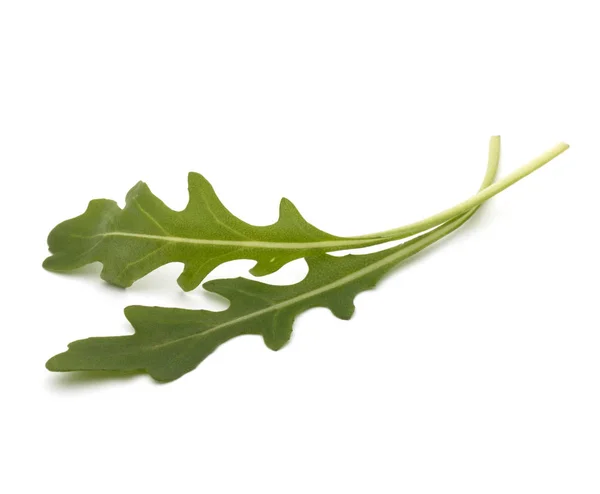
<point>146,234</point>
<point>168,343</point>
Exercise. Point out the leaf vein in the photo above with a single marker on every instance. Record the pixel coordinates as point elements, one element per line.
<point>150,217</point>
<point>214,216</point>
<point>141,259</point>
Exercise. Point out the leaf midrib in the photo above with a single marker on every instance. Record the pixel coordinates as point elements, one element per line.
<point>294,300</point>
<point>404,251</point>
<point>325,244</point>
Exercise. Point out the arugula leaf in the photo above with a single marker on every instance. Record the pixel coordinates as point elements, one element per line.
<point>171,342</point>
<point>146,234</point>
<point>168,343</point>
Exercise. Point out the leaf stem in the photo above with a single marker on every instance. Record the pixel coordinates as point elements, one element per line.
<point>414,246</point>
<point>476,200</point>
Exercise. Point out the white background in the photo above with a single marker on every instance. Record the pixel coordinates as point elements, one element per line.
<point>474,368</point>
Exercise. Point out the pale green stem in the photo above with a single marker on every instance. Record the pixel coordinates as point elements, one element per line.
<point>476,200</point>
<point>423,241</point>
<point>493,162</point>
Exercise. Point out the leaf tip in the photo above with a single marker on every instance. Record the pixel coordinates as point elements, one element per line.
<point>53,364</point>
<point>198,183</point>
<point>139,192</point>
<point>264,267</point>
<point>343,312</point>
<point>132,313</point>
<point>48,264</point>
<point>286,207</point>
<point>186,283</point>
<point>138,188</point>
<point>195,177</point>
<point>119,280</point>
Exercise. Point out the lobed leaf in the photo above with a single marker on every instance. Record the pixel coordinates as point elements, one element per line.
<point>168,343</point>
<point>146,234</point>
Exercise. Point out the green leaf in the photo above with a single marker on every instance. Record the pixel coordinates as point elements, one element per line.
<point>168,343</point>
<point>146,234</point>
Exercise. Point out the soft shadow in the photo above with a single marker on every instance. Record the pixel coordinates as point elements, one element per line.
<point>63,381</point>
<point>88,271</point>
<point>163,278</point>
<point>465,230</point>
<point>218,303</point>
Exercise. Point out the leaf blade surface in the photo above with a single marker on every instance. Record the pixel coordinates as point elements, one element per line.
<point>168,343</point>
<point>146,234</point>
